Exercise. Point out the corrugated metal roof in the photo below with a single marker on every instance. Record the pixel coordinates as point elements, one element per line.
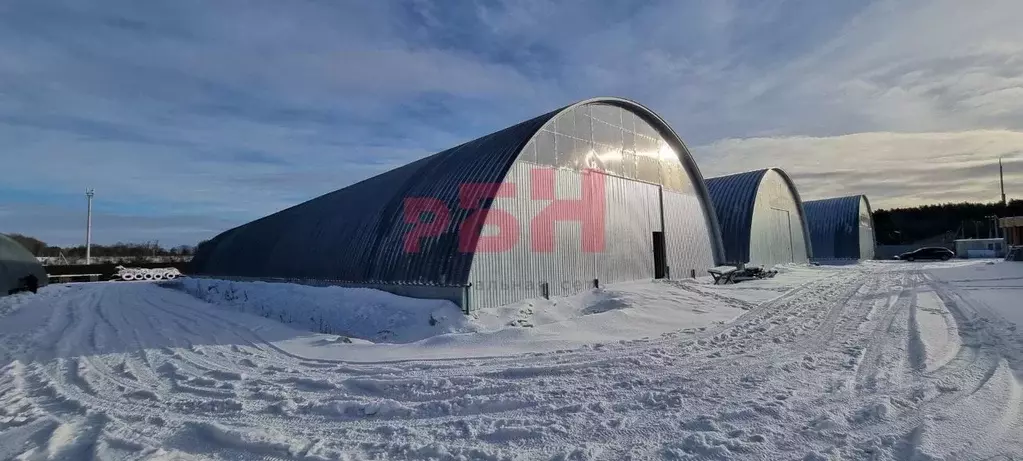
<point>16,262</point>
<point>357,234</point>
<point>734,197</point>
<point>834,226</point>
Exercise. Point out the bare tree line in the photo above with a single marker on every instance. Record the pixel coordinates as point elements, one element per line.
<point>40,248</point>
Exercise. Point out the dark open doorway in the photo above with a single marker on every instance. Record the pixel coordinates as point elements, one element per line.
<point>660,261</point>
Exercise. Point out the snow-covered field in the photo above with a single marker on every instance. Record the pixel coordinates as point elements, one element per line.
<point>873,361</point>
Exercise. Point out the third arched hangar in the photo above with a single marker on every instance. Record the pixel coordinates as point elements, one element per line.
<point>841,228</point>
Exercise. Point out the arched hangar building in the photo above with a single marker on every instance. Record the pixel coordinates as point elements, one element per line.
<point>761,218</point>
<point>17,262</point>
<point>841,228</point>
<point>597,192</point>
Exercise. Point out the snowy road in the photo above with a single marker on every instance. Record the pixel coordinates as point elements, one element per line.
<point>878,361</point>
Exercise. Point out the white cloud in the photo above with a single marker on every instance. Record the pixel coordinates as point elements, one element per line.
<point>892,169</point>
<point>157,102</point>
<point>913,65</point>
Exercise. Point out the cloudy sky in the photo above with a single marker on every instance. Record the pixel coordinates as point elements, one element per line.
<point>192,116</point>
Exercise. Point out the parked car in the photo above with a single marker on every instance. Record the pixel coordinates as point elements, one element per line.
<point>943,254</point>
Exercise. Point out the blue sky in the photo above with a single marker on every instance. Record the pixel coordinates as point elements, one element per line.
<point>190,117</point>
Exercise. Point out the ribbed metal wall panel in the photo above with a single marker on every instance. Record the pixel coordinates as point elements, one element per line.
<point>687,240</point>
<point>761,217</point>
<point>868,244</point>
<point>835,228</point>
<point>17,262</point>
<point>633,214</point>
<point>778,232</point>
<point>493,284</point>
<point>501,277</point>
<point>636,162</point>
<point>357,234</point>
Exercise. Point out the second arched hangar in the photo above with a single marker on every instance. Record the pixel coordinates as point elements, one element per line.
<point>761,218</point>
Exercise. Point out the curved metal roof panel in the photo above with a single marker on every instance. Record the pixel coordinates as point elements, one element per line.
<point>357,234</point>
<point>733,197</point>
<point>834,226</point>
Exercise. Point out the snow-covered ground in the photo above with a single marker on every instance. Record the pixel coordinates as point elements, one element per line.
<point>880,360</point>
<point>374,326</point>
<point>996,286</point>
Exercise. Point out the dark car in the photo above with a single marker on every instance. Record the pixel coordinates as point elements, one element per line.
<point>943,254</point>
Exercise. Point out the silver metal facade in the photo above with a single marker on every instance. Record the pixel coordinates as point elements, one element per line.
<point>778,234</point>
<point>505,275</point>
<point>761,218</point>
<point>868,242</point>
<point>841,228</point>
<point>359,235</point>
<point>684,235</point>
<point>17,262</point>
<point>646,188</point>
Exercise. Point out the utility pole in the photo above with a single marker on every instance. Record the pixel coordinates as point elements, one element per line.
<point>991,223</point>
<point>89,193</point>
<point>1001,179</point>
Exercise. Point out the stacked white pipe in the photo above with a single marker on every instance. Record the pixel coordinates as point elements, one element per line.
<point>131,273</point>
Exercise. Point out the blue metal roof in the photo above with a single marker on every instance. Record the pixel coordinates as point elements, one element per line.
<point>734,197</point>
<point>357,234</point>
<point>834,226</point>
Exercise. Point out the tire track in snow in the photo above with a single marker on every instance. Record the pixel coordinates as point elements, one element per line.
<point>952,389</point>
<point>111,370</point>
<point>725,391</point>
<point>916,350</point>
<point>1008,423</point>
<point>883,355</point>
<point>64,390</point>
<point>107,370</point>
<point>938,330</point>
<point>772,326</point>
<point>975,362</point>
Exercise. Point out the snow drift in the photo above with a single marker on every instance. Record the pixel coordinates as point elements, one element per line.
<point>377,325</point>
<point>363,313</point>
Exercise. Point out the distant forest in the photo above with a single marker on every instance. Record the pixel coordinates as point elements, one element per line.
<point>928,223</point>
<point>941,222</point>
<point>123,250</point>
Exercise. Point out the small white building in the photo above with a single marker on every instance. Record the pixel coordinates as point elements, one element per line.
<point>980,248</point>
